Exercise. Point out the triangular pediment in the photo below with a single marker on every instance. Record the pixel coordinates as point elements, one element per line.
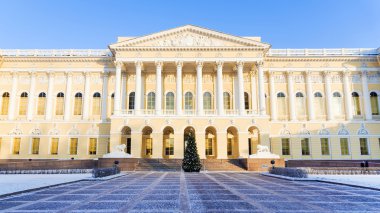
<point>190,36</point>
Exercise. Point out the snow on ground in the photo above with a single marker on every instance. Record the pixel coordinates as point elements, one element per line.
<point>19,182</point>
<point>360,180</point>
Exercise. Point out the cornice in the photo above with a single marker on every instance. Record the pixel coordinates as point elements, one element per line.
<point>324,58</point>
<point>221,48</point>
<point>57,59</point>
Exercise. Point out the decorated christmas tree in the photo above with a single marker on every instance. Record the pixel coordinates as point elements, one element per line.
<point>191,161</point>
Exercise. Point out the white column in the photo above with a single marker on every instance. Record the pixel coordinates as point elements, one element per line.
<point>272,90</point>
<point>260,74</point>
<point>309,94</point>
<point>328,95</point>
<point>117,102</point>
<point>158,105</point>
<point>179,88</point>
<point>49,100</point>
<point>105,95</point>
<point>291,95</point>
<point>199,88</point>
<point>69,80</point>
<point>253,92</point>
<point>347,95</point>
<point>366,98</point>
<point>86,100</point>
<point>31,96</point>
<point>13,98</point>
<point>240,66</point>
<point>219,90</point>
<point>138,65</point>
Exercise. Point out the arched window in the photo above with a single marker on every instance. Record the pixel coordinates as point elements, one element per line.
<point>207,103</point>
<point>41,104</point>
<point>281,104</point>
<point>246,100</point>
<point>78,104</point>
<point>96,103</point>
<point>300,104</point>
<point>374,103</point>
<point>169,101</point>
<point>112,101</point>
<point>131,101</point>
<point>23,103</point>
<point>59,104</point>
<point>151,101</point>
<point>5,103</point>
<point>337,104</point>
<point>226,100</point>
<point>189,101</point>
<point>356,103</point>
<point>319,105</point>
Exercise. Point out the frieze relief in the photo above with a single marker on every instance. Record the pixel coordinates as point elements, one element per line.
<point>4,79</point>
<point>131,78</point>
<point>227,78</point>
<point>299,79</point>
<point>207,78</point>
<point>316,79</point>
<point>374,78</point>
<point>150,78</point>
<point>279,79</point>
<point>337,79</point>
<point>188,78</point>
<point>170,78</point>
<point>188,39</point>
<point>355,78</point>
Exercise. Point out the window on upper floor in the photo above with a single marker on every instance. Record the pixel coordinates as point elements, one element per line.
<point>5,103</point>
<point>23,105</point>
<point>59,104</point>
<point>337,104</point>
<point>319,104</point>
<point>300,104</point>
<point>96,103</point>
<point>189,103</point>
<point>374,103</point>
<point>356,103</point>
<point>227,100</point>
<point>207,101</point>
<point>169,101</point>
<point>151,101</point>
<point>41,104</point>
<point>246,100</point>
<point>78,104</point>
<point>281,104</point>
<point>131,101</point>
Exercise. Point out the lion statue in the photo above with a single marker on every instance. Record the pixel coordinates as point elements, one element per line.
<point>262,148</point>
<point>120,148</point>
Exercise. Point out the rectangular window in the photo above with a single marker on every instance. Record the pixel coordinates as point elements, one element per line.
<point>229,146</point>
<point>41,106</point>
<point>325,146</point>
<point>305,146</point>
<point>35,146</point>
<point>96,105</point>
<point>73,146</point>
<point>54,146</point>
<point>0,143</point>
<point>129,145</point>
<point>92,146</point>
<point>209,146</point>
<point>23,105</point>
<point>59,106</point>
<point>16,146</point>
<point>285,146</point>
<point>344,146</point>
<point>108,145</point>
<point>169,149</point>
<point>78,106</point>
<point>364,146</point>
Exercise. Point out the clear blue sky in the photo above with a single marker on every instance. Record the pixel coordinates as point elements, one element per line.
<point>94,24</point>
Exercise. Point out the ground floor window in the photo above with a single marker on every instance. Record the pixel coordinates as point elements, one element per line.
<point>54,146</point>
<point>169,146</point>
<point>344,146</point>
<point>35,146</point>
<point>128,145</point>
<point>209,148</point>
<point>250,146</point>
<point>325,146</point>
<point>16,146</point>
<point>108,145</point>
<point>229,146</point>
<point>149,148</point>
<point>364,146</point>
<point>73,146</point>
<point>92,146</point>
<point>305,146</point>
<point>285,146</point>
<point>0,144</point>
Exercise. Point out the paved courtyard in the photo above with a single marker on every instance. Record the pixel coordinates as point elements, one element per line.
<point>179,192</point>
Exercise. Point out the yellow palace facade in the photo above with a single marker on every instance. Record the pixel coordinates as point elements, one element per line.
<point>148,92</point>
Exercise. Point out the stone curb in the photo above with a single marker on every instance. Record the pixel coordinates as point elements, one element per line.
<point>38,188</point>
<point>318,180</point>
<point>106,177</point>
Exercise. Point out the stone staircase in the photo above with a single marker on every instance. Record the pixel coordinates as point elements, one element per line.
<point>223,165</point>
<point>174,165</point>
<point>163,165</point>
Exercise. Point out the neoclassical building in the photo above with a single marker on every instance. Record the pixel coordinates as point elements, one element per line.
<point>149,92</point>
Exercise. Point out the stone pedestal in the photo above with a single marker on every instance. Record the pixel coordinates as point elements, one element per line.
<point>263,164</point>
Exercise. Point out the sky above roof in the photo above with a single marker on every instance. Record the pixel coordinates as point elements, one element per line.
<point>94,24</point>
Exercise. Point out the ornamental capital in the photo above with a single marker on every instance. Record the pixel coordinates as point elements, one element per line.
<point>346,73</point>
<point>326,73</point>
<point>179,64</point>
<point>259,63</point>
<point>69,74</point>
<point>118,63</point>
<point>139,64</point>
<point>159,64</point>
<point>105,74</point>
<point>308,73</point>
<point>51,74</point>
<point>271,73</point>
<point>289,73</point>
<point>253,73</point>
<point>219,63</point>
<point>199,64</point>
<point>240,64</point>
<point>364,73</point>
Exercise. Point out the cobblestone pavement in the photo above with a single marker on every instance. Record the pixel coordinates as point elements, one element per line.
<point>180,192</point>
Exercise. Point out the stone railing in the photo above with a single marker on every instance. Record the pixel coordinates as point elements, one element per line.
<point>55,52</point>
<point>325,52</point>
